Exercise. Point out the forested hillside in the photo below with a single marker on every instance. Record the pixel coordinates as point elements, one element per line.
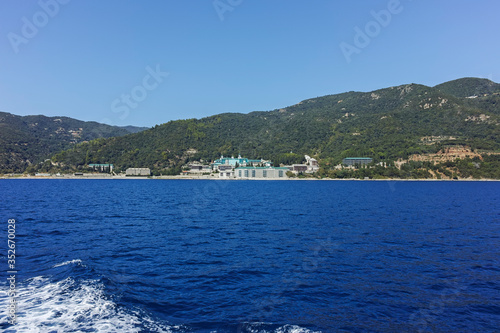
<point>387,124</point>
<point>30,139</point>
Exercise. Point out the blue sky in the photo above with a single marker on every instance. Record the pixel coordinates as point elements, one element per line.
<point>148,62</point>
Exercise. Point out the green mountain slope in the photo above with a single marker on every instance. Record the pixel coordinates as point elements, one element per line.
<point>30,139</point>
<point>386,124</point>
<point>468,87</point>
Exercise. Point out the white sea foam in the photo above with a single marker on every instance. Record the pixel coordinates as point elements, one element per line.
<point>263,328</point>
<point>68,306</point>
<point>69,262</point>
<point>294,329</point>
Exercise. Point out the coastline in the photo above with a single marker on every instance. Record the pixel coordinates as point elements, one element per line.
<point>104,177</point>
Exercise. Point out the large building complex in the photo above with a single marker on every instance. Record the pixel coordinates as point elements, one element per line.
<point>236,162</point>
<point>356,161</point>
<point>260,172</point>
<point>244,168</point>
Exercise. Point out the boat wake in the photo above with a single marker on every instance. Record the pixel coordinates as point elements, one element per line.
<point>68,306</point>
<point>76,304</point>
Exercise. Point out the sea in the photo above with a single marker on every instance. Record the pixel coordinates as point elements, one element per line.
<point>250,256</point>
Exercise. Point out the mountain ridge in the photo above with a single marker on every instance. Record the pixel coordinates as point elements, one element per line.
<point>386,124</point>
<point>25,140</point>
<point>469,87</point>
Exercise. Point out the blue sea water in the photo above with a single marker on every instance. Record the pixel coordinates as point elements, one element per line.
<point>252,256</point>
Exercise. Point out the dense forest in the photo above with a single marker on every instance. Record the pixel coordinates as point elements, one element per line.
<point>29,140</point>
<point>388,125</point>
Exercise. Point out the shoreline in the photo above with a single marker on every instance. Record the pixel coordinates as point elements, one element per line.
<point>101,177</point>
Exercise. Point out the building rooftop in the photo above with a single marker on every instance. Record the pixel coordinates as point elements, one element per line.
<point>358,158</point>
<point>268,168</point>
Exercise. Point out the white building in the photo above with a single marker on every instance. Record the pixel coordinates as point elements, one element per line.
<point>138,172</point>
<point>312,164</point>
<point>196,168</point>
<point>227,174</point>
<point>261,172</point>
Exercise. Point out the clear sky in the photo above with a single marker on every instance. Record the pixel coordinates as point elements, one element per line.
<point>143,63</point>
